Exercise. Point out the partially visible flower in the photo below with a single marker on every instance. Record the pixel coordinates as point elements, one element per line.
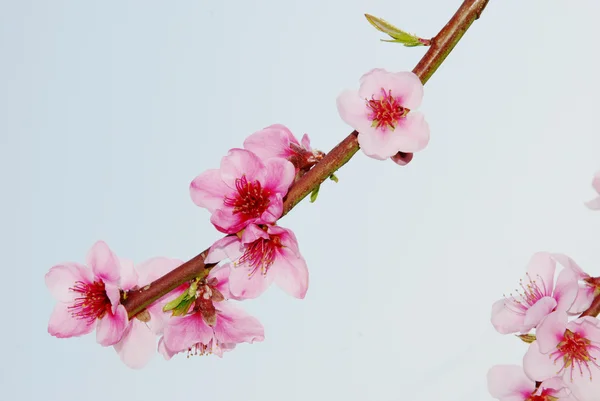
<point>509,383</point>
<point>587,290</point>
<point>138,344</point>
<point>260,257</point>
<point>212,325</point>
<point>567,349</point>
<point>538,296</point>
<point>244,190</point>
<point>278,141</point>
<point>594,204</point>
<point>88,297</point>
<point>383,113</point>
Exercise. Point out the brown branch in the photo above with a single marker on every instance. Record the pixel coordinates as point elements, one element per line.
<point>442,44</point>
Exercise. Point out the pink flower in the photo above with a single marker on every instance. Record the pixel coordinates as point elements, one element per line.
<point>586,293</point>
<point>244,190</point>
<point>88,297</point>
<point>213,324</point>
<point>567,349</point>
<point>538,297</point>
<point>278,141</point>
<point>382,111</point>
<point>509,383</point>
<point>260,257</point>
<point>138,344</point>
<point>594,204</point>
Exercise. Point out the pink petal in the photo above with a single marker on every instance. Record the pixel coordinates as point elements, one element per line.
<point>208,190</point>
<point>227,222</point>
<point>129,277</point>
<point>504,319</point>
<point>290,273</point>
<point>280,175</point>
<point>378,144</point>
<point>565,289</point>
<point>588,327</point>
<point>353,110</point>
<point>538,366</point>
<point>551,331</point>
<point>287,238</point>
<point>183,332</point>
<point>137,346</point>
<point>306,142</point>
<point>412,133</point>
<point>154,268</point>
<point>541,270</point>
<point>596,182</point>
<point>158,318</point>
<point>252,233</point>
<point>594,204</point>
<point>241,162</point>
<point>243,286</point>
<point>582,387</point>
<point>104,263</point>
<point>509,381</point>
<point>111,327</point>
<point>229,247</point>
<point>537,312</point>
<point>405,85</point>
<point>569,263</point>
<point>584,299</point>
<point>221,273</point>
<point>63,325</point>
<point>272,141</point>
<point>114,294</point>
<point>163,350</point>
<point>273,212</point>
<point>234,325</point>
<point>61,278</point>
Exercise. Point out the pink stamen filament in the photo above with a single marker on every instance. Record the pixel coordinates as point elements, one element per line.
<point>386,111</point>
<point>251,199</point>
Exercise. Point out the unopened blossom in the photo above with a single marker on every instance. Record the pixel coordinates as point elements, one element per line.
<point>213,324</point>
<point>587,289</point>
<point>244,190</point>
<point>402,159</point>
<point>537,296</point>
<point>261,256</point>
<point>594,204</point>
<point>570,350</point>
<point>138,344</point>
<point>382,111</point>
<point>88,297</point>
<point>278,141</point>
<point>510,383</point>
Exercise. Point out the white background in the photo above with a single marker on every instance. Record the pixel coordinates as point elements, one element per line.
<point>109,109</point>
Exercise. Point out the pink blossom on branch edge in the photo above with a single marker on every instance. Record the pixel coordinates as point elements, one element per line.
<point>88,297</point>
<point>567,349</point>
<point>243,190</point>
<point>261,257</point>
<point>278,141</point>
<point>594,204</point>
<point>539,296</point>
<point>382,111</point>
<point>509,383</point>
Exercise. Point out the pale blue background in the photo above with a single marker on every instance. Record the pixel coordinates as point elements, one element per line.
<point>108,110</point>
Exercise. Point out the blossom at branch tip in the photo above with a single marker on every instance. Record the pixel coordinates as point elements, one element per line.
<point>139,341</point>
<point>510,383</point>
<point>244,190</point>
<point>213,324</point>
<point>537,297</point>
<point>261,256</point>
<point>278,141</point>
<point>382,111</point>
<point>88,297</point>
<point>594,204</point>
<point>570,350</point>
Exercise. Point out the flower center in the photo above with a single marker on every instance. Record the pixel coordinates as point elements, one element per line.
<point>386,111</point>
<point>92,303</point>
<point>542,397</point>
<point>251,199</point>
<point>260,254</point>
<point>527,296</point>
<point>574,350</point>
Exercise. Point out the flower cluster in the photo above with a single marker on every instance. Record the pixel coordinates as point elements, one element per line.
<point>245,198</point>
<point>563,358</point>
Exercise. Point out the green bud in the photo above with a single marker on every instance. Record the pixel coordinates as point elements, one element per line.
<point>314,194</point>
